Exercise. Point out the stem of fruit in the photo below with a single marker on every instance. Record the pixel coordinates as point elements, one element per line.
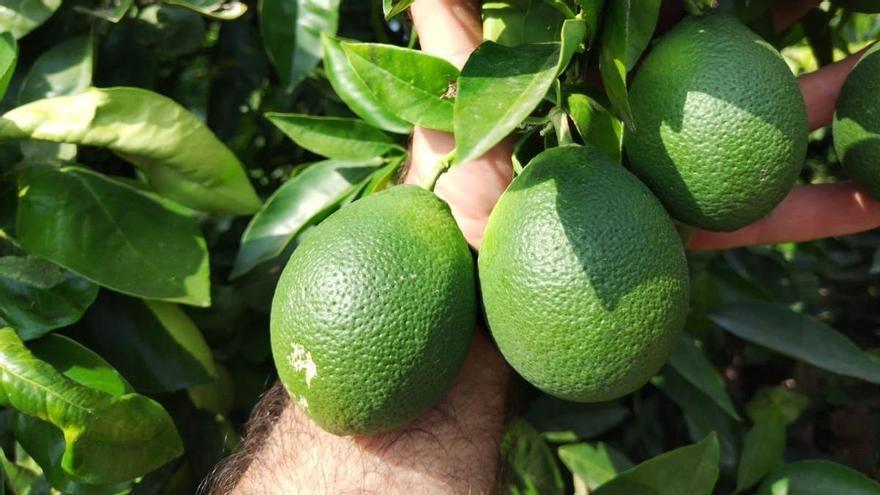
<point>430,181</point>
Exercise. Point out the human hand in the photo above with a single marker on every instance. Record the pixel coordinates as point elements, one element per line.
<point>453,447</point>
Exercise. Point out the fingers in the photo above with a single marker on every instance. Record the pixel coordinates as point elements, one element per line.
<point>450,29</point>
<point>808,213</point>
<point>822,87</point>
<point>787,12</point>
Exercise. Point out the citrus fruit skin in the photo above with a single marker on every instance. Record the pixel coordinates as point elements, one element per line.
<point>583,277</point>
<point>374,312</point>
<point>719,124</point>
<point>857,123</point>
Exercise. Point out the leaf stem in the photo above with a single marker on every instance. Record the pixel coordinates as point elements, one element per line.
<point>430,181</point>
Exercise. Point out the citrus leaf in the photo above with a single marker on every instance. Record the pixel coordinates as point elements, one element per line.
<point>131,429</point>
<point>500,86</point>
<point>37,297</point>
<point>593,465</point>
<point>504,21</point>
<point>626,30</point>
<point>798,336</point>
<point>352,90</point>
<point>334,137</point>
<point>64,69</point>
<point>596,125</point>
<point>218,10</point>
<point>177,153</point>
<point>692,469</point>
<point>531,466</point>
<point>702,416</point>
<point>300,202</point>
<point>393,8</point>
<point>19,17</point>
<point>291,32</point>
<point>154,344</point>
<point>691,363</point>
<point>114,12</point>
<point>564,421</point>
<point>762,450</point>
<point>21,480</point>
<point>816,477</point>
<point>411,84</point>
<point>112,234</point>
<point>592,15</point>
<point>8,60</point>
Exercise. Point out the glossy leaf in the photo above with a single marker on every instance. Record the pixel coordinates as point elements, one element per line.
<point>798,336</point>
<point>8,59</point>
<point>64,69</point>
<point>564,421</point>
<point>113,12</point>
<point>131,429</point>
<point>531,465</point>
<point>37,297</point>
<point>218,10</point>
<point>504,21</point>
<point>177,153</point>
<point>21,480</point>
<point>413,85</point>
<point>112,233</point>
<point>691,363</point>
<point>762,450</point>
<point>392,8</point>
<point>626,31</point>
<point>352,90</point>
<point>816,477</point>
<point>593,465</point>
<point>593,15</point>
<point>300,202</point>
<point>292,31</point>
<point>154,344</point>
<point>334,137</point>
<point>500,86</point>
<point>692,469</point>
<point>19,17</point>
<point>596,126</point>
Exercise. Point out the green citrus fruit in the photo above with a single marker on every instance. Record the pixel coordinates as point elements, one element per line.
<point>374,313</point>
<point>719,124</point>
<point>857,123</point>
<point>583,277</point>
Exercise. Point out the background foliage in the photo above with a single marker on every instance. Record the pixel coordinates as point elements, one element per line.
<point>136,288</point>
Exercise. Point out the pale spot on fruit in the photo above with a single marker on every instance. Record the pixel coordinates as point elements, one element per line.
<point>301,402</point>
<point>301,360</point>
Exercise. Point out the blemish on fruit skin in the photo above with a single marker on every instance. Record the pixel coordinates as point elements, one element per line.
<point>301,402</point>
<point>301,360</point>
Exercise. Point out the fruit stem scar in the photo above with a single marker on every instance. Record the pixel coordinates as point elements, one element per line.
<point>301,360</point>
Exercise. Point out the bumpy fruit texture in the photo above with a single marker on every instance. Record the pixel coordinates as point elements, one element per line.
<point>720,126</point>
<point>857,123</point>
<point>583,276</point>
<point>374,313</point>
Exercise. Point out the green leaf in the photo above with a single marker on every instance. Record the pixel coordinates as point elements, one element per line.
<point>291,32</point>
<point>626,31</point>
<point>762,450</point>
<point>302,201</point>
<point>500,86</point>
<point>22,480</point>
<point>690,362</point>
<point>593,466</point>
<point>64,69</point>
<point>177,153</point>
<point>596,125</point>
<point>564,421</point>
<point>218,10</point>
<point>504,21</point>
<point>592,14</point>
<point>542,23</point>
<point>131,429</point>
<point>37,297</point>
<point>8,59</point>
<point>352,90</point>
<point>702,415</point>
<point>777,400</point>
<point>692,470</point>
<point>113,12</point>
<point>334,137</point>
<point>392,8</point>
<point>411,84</point>
<point>154,344</point>
<point>815,477</point>
<point>19,17</point>
<point>531,465</point>
<point>798,336</point>
<point>112,234</point>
